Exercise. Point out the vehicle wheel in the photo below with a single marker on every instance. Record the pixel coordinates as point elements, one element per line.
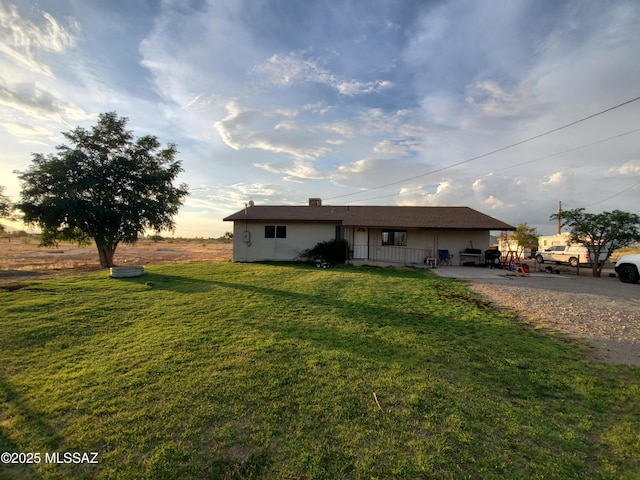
<point>539,259</point>
<point>628,274</point>
<point>573,261</point>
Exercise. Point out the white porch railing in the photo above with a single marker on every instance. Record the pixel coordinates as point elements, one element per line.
<point>391,254</point>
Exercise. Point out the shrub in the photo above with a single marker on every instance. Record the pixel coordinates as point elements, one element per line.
<point>334,251</point>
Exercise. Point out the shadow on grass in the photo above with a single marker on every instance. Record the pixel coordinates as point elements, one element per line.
<point>24,418</point>
<point>363,334</point>
<point>491,353</point>
<point>391,271</point>
<point>495,355</point>
<point>190,284</point>
<point>174,283</point>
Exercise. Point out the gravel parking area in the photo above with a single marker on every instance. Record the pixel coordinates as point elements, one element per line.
<point>603,311</point>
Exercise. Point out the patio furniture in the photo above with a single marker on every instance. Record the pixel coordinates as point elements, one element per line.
<point>444,258</point>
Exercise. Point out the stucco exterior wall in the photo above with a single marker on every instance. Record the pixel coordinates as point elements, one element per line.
<point>300,236</point>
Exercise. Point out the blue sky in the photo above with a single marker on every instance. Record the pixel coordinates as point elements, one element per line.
<point>357,102</point>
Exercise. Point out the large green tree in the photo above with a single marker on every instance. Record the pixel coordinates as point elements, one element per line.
<point>105,185</point>
<point>601,232</point>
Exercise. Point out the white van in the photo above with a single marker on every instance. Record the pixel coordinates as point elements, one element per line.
<point>571,254</point>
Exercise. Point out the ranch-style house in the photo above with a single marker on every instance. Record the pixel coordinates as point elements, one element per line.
<point>376,235</point>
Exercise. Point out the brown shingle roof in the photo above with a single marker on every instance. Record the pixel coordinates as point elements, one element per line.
<point>376,216</point>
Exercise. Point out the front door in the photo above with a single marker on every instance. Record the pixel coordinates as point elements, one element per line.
<point>361,244</point>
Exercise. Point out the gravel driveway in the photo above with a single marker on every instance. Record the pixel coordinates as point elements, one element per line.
<point>604,311</point>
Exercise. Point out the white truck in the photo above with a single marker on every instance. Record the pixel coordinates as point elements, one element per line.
<point>571,254</point>
<point>628,268</point>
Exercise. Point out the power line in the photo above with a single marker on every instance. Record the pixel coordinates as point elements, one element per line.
<point>615,195</point>
<point>573,149</point>
<point>539,159</point>
<point>489,153</point>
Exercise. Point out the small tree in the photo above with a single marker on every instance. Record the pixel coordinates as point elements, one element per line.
<point>601,233</point>
<point>107,186</point>
<point>5,204</point>
<point>525,237</point>
<point>5,207</point>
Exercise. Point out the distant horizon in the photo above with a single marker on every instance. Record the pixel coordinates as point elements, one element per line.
<point>11,225</point>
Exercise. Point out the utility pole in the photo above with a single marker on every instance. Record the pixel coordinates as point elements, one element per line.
<point>559,215</point>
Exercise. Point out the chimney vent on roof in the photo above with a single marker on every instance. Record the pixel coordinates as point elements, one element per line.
<point>315,202</point>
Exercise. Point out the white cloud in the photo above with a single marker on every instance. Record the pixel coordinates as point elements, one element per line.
<point>319,108</point>
<point>226,199</point>
<point>556,179</point>
<point>492,100</point>
<point>361,173</point>
<point>590,54</point>
<point>296,172</point>
<point>274,132</point>
<point>33,100</point>
<point>443,193</point>
<point>24,41</point>
<point>347,171</point>
<point>632,167</point>
<point>35,105</point>
<point>399,147</point>
<point>294,68</point>
<point>354,87</point>
<point>440,108</point>
<point>29,133</point>
<point>493,203</point>
<point>284,70</point>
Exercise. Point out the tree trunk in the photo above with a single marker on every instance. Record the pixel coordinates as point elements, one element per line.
<point>106,255</point>
<point>594,252</point>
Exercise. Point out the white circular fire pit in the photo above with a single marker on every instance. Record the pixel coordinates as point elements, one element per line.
<point>126,272</point>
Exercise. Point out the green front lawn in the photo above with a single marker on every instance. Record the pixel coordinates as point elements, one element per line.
<point>286,371</point>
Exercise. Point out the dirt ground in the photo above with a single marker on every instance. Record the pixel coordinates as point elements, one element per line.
<point>21,258</point>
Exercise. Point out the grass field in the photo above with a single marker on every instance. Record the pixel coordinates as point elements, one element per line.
<point>285,371</point>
